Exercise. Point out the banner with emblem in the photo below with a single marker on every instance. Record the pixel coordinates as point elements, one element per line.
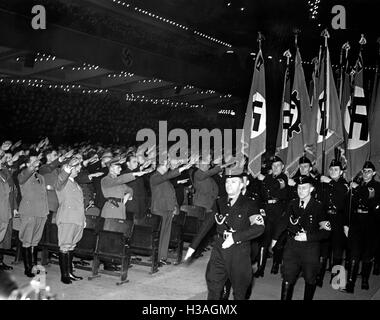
<point>356,125</point>
<point>300,117</point>
<point>374,121</point>
<point>326,106</point>
<point>282,134</point>
<point>254,129</point>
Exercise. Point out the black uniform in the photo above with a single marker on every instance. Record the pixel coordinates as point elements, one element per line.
<point>274,197</point>
<point>335,200</point>
<point>233,263</point>
<point>302,255</point>
<point>362,235</point>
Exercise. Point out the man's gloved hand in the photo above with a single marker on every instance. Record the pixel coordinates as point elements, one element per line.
<point>229,241</point>
<point>189,253</point>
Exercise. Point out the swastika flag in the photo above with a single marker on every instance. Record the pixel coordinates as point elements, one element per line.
<point>255,122</point>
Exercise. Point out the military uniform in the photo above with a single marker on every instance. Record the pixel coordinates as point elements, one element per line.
<point>114,189</point>
<point>70,221</point>
<point>301,255</point>
<point>335,200</point>
<point>233,263</point>
<point>362,230</point>
<point>33,211</point>
<point>274,197</point>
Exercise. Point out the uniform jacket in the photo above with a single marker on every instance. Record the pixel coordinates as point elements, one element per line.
<point>163,193</point>
<point>366,197</point>
<point>34,202</point>
<point>5,206</point>
<point>235,217</point>
<point>116,188</point>
<point>275,187</point>
<point>206,189</point>
<point>70,199</point>
<point>335,200</point>
<point>87,186</point>
<point>296,218</point>
<point>50,172</point>
<point>138,204</point>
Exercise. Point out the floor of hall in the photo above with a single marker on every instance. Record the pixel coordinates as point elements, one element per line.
<point>178,282</point>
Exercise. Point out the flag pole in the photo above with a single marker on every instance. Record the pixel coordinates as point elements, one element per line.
<point>345,48</point>
<point>326,35</point>
<point>260,38</point>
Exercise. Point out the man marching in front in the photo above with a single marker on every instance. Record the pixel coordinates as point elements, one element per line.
<point>306,226</point>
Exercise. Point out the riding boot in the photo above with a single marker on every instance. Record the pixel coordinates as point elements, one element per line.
<point>262,262</point>
<point>277,258</point>
<point>28,261</point>
<point>322,271</point>
<point>286,290</point>
<point>309,291</point>
<point>376,268</point>
<point>35,256</point>
<point>72,275</point>
<point>226,290</point>
<point>366,271</point>
<point>352,270</point>
<point>64,261</point>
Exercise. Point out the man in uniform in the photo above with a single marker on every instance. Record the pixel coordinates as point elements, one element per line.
<point>6,189</point>
<point>70,218</point>
<point>335,197</point>
<point>275,195</point>
<point>230,256</point>
<point>306,225</point>
<point>33,210</point>
<point>362,228</point>
<point>164,203</point>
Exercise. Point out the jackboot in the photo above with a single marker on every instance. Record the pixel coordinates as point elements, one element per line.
<point>28,261</point>
<point>352,274</point>
<point>226,290</point>
<point>263,254</point>
<point>309,291</point>
<point>64,260</point>
<point>71,269</point>
<point>366,271</point>
<point>376,268</point>
<point>286,290</point>
<point>322,271</point>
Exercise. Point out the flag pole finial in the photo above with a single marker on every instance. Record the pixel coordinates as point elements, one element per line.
<point>362,40</point>
<point>325,33</point>
<point>288,55</point>
<point>296,33</point>
<point>346,47</point>
<point>260,38</point>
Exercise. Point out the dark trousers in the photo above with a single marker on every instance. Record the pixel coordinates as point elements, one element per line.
<point>301,256</point>
<point>362,237</point>
<point>233,263</point>
<point>335,244</point>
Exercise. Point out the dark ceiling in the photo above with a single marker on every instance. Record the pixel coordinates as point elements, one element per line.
<point>192,69</point>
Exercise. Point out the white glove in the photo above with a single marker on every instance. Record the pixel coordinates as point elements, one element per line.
<point>189,253</point>
<point>301,236</point>
<point>228,242</point>
<point>345,230</point>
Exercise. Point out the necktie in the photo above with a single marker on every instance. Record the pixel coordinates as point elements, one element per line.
<point>35,175</point>
<point>302,205</point>
<point>229,202</point>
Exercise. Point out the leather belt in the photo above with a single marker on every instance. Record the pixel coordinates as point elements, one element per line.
<point>272,201</point>
<point>114,199</point>
<point>49,187</point>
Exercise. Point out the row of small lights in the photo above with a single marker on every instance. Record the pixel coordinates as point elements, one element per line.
<point>85,66</point>
<point>188,86</point>
<point>40,57</point>
<point>132,97</point>
<point>227,111</point>
<point>39,83</point>
<point>173,23</point>
<point>313,8</point>
<point>225,96</point>
<point>150,80</point>
<point>123,74</point>
<point>207,92</point>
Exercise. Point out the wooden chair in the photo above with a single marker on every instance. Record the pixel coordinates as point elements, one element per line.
<point>86,246</point>
<point>49,240</point>
<point>145,240</point>
<point>113,245</point>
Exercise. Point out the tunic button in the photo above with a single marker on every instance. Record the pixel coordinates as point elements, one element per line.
<point>239,215</point>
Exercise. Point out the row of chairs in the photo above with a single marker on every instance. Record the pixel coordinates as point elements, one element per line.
<point>116,241</point>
